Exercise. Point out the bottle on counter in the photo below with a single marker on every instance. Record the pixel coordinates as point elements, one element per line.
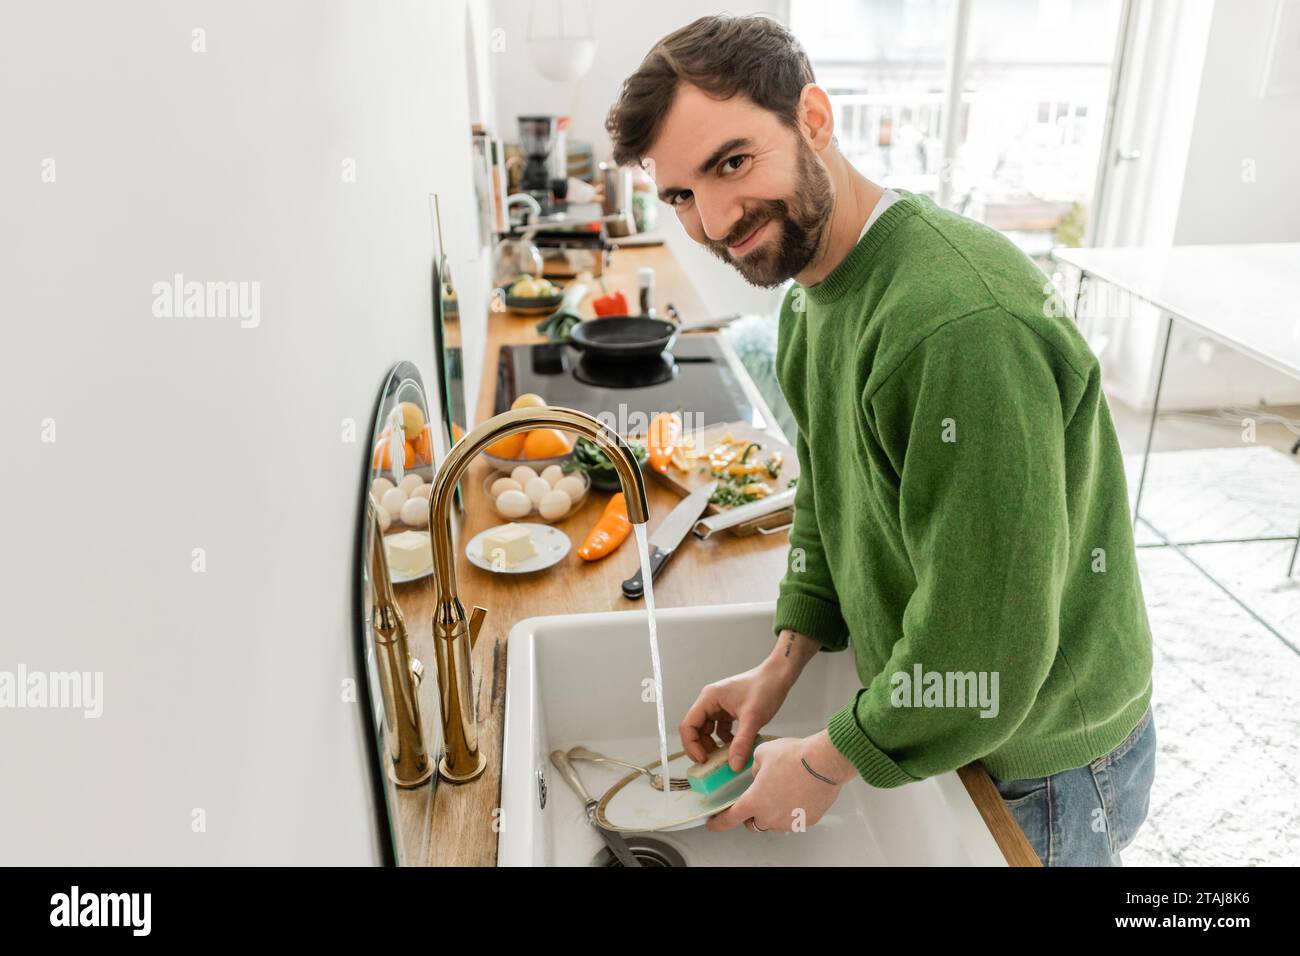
<point>645,284</point>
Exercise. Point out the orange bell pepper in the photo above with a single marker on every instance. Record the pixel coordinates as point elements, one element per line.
<point>610,531</point>
<point>662,438</point>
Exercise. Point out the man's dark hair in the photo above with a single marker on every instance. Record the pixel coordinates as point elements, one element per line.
<point>722,55</point>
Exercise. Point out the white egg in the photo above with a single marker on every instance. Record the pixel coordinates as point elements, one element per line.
<point>514,504</point>
<point>381,515</point>
<point>502,485</point>
<point>415,511</point>
<point>552,474</point>
<point>410,483</point>
<point>523,474</point>
<point>392,501</point>
<point>554,504</point>
<point>572,486</point>
<point>424,491</point>
<point>379,486</point>
<point>536,489</point>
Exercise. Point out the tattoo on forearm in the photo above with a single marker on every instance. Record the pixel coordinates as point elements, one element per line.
<point>804,761</point>
<point>789,644</point>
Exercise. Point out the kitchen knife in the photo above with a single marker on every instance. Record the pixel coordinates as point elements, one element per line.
<point>613,839</point>
<point>669,535</point>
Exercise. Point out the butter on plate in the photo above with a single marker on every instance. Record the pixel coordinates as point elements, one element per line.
<point>409,552</point>
<point>508,545</point>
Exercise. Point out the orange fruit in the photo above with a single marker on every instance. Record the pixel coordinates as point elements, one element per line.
<point>382,458</point>
<point>545,443</point>
<point>457,433</point>
<point>511,446</point>
<point>424,446</point>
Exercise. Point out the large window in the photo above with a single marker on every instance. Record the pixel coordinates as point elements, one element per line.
<point>1034,80</point>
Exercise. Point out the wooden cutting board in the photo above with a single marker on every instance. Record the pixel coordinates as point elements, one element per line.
<point>685,482</point>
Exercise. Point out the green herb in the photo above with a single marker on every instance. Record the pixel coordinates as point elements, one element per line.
<point>727,495</point>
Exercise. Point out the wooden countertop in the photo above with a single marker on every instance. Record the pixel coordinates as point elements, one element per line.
<point>723,569</point>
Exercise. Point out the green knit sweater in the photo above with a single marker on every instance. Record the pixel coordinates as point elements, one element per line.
<point>961,518</point>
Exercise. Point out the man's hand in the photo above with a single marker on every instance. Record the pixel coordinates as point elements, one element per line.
<point>785,792</point>
<point>737,708</point>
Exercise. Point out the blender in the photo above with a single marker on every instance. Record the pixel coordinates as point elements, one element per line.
<point>537,137</point>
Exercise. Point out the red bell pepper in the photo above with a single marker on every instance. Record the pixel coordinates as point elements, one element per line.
<point>613,304</point>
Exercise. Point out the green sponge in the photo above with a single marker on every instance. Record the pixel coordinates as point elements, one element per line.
<point>715,773</point>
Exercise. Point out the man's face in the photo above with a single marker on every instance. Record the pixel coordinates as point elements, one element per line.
<point>745,185</point>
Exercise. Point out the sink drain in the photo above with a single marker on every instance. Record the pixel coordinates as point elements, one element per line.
<point>648,851</point>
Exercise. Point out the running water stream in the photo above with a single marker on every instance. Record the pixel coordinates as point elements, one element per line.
<point>644,551</point>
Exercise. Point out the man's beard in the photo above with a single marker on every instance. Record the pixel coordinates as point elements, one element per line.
<point>800,225</point>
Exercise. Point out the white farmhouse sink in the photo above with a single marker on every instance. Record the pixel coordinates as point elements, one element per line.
<point>578,679</point>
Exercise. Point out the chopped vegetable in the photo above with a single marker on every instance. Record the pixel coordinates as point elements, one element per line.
<point>727,495</point>
<point>610,531</point>
<point>740,470</point>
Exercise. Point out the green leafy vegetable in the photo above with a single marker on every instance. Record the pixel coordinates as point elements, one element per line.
<point>596,464</point>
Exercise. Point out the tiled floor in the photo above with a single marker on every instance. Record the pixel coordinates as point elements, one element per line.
<point>1226,688</point>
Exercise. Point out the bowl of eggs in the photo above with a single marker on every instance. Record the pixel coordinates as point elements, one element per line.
<point>406,502</point>
<point>523,492</point>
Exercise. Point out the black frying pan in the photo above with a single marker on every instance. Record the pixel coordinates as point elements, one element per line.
<point>628,338</point>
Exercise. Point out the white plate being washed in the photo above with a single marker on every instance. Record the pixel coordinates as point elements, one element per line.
<point>633,806</point>
<point>552,545</point>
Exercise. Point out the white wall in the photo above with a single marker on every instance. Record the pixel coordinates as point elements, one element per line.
<point>1242,182</point>
<point>1218,166</point>
<point>624,35</point>
<point>222,690</point>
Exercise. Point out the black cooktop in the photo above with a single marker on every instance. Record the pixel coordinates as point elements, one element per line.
<point>695,379</point>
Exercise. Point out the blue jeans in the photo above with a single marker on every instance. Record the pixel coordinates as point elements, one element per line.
<point>1086,816</point>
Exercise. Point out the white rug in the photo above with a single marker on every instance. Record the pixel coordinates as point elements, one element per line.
<point>1226,689</point>
<point>1216,493</point>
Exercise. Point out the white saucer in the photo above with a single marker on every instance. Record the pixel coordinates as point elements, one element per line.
<point>406,577</point>
<point>552,545</point>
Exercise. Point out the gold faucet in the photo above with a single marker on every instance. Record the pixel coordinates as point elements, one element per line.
<point>453,634</point>
<point>399,672</point>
